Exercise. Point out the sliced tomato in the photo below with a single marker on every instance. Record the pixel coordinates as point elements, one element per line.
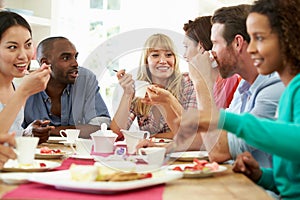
<point>56,151</point>
<point>200,162</point>
<point>148,175</point>
<point>45,150</point>
<point>177,168</point>
<point>161,140</point>
<point>198,167</point>
<point>42,165</point>
<point>213,166</point>
<point>189,168</point>
<point>49,151</point>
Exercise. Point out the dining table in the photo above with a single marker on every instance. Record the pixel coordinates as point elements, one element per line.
<point>223,185</point>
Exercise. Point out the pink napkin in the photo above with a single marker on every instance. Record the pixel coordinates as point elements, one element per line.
<point>40,191</point>
<point>68,162</point>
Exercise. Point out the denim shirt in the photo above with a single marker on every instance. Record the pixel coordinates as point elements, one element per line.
<point>261,99</point>
<point>80,103</point>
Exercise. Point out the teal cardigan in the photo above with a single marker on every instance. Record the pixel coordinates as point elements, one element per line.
<point>280,138</point>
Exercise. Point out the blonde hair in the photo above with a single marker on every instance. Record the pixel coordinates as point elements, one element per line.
<point>158,41</point>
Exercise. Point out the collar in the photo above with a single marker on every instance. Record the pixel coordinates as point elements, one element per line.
<point>67,91</point>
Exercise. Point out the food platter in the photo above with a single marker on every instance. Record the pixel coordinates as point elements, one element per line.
<point>62,180</point>
<point>15,177</point>
<point>198,173</point>
<point>162,140</point>
<point>39,155</point>
<point>37,166</point>
<point>55,139</point>
<point>83,157</point>
<point>189,155</point>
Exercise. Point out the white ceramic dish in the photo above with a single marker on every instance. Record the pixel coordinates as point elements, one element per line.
<point>66,143</point>
<point>55,140</point>
<point>128,166</point>
<point>189,155</point>
<point>197,174</point>
<point>15,177</point>
<point>89,157</point>
<point>61,180</point>
<point>13,166</point>
<point>162,140</point>
<point>39,155</point>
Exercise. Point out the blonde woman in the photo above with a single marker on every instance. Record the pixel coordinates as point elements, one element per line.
<point>170,91</point>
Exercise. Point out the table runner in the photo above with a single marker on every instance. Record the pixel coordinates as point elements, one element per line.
<point>40,191</point>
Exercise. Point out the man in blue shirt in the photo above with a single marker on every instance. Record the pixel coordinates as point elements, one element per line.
<point>256,93</point>
<point>72,98</point>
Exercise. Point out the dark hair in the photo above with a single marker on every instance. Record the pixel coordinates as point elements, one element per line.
<point>199,30</point>
<point>234,20</point>
<point>44,47</point>
<point>284,19</point>
<point>9,19</point>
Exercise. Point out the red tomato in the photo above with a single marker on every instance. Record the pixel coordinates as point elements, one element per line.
<point>45,150</point>
<point>148,175</point>
<point>200,162</point>
<point>198,167</point>
<point>189,168</point>
<point>177,168</point>
<point>42,165</point>
<point>161,140</point>
<point>56,151</point>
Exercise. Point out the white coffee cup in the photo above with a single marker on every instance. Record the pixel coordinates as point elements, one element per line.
<point>140,88</point>
<point>214,63</point>
<point>26,147</point>
<point>83,146</point>
<point>133,138</point>
<point>154,155</point>
<point>71,134</point>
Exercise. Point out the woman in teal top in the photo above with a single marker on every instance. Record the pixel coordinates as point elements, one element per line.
<point>274,46</point>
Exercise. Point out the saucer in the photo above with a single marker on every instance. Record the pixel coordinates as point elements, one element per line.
<point>67,143</point>
<point>37,166</point>
<point>55,139</point>
<point>84,157</point>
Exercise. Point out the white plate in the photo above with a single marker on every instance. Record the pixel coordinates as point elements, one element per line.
<point>61,180</point>
<point>67,143</point>
<point>197,174</point>
<point>189,155</point>
<point>12,166</point>
<point>39,155</point>
<point>129,166</point>
<point>162,140</point>
<point>15,177</point>
<point>82,157</point>
<point>55,140</point>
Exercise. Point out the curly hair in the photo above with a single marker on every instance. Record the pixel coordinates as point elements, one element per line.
<point>284,18</point>
<point>199,30</point>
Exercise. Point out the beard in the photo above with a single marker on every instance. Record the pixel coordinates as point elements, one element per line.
<point>227,63</point>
